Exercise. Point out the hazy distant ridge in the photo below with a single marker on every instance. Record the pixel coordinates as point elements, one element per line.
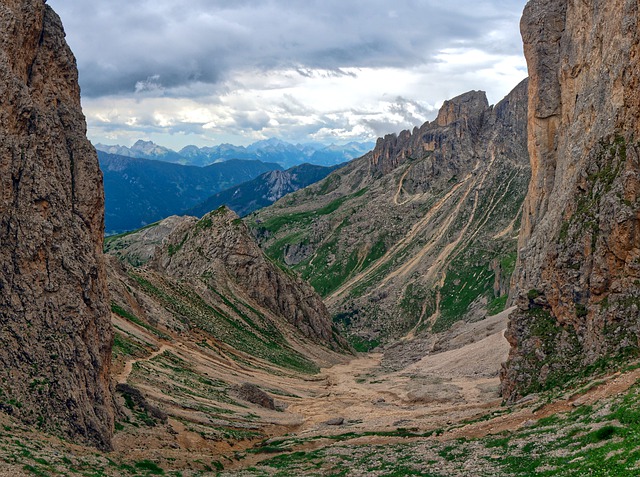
<point>271,150</point>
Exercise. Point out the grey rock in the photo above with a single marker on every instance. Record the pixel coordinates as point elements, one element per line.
<point>251,393</point>
<point>336,421</point>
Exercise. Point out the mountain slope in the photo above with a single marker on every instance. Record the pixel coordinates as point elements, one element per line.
<point>578,270</point>
<point>139,191</point>
<point>418,233</point>
<point>264,190</point>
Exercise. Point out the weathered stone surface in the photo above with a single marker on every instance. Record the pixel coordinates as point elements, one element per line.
<point>335,421</point>
<point>251,393</point>
<point>55,333</point>
<point>580,238</point>
<point>220,248</point>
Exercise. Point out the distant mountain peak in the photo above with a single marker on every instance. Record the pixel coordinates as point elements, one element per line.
<point>268,150</point>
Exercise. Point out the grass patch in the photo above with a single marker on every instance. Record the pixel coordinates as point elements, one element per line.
<point>118,310</point>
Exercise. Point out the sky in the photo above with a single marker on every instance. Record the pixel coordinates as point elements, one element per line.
<point>207,72</point>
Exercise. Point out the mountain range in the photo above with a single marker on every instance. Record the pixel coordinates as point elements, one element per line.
<point>264,190</point>
<point>270,150</point>
<point>490,259</point>
<point>139,192</point>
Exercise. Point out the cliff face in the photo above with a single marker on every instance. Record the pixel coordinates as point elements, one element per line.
<point>55,332</point>
<point>418,233</point>
<point>579,259</point>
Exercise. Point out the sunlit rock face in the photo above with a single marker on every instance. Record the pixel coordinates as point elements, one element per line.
<point>579,248</point>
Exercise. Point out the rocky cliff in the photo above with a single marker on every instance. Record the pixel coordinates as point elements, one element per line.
<point>55,333</point>
<point>579,249</point>
<point>418,233</point>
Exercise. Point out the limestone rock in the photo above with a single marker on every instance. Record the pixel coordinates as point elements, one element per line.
<point>580,235</point>
<point>55,332</point>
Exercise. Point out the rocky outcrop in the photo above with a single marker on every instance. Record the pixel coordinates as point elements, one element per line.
<point>251,393</point>
<point>219,249</point>
<point>421,231</point>
<point>579,249</point>
<point>55,332</point>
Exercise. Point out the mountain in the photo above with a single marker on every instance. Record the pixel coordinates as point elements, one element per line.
<point>420,232</point>
<point>264,190</point>
<point>144,150</point>
<point>217,258</point>
<point>212,340</point>
<point>332,155</point>
<point>55,339</point>
<point>578,272</point>
<point>208,155</point>
<point>140,191</point>
<point>271,150</point>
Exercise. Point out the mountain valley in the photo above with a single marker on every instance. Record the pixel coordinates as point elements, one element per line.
<point>139,192</point>
<point>461,300</point>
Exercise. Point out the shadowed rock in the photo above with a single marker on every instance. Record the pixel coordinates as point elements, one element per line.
<point>253,394</point>
<point>55,331</point>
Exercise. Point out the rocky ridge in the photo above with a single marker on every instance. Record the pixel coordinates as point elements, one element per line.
<point>219,250</point>
<point>205,326</point>
<point>55,333</point>
<point>263,190</point>
<point>418,233</point>
<point>578,269</point>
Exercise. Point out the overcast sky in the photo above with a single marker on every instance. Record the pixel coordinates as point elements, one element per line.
<point>206,72</point>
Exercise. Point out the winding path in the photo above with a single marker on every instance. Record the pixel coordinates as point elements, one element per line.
<point>128,366</point>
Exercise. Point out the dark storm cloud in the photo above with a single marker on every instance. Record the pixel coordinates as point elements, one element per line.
<point>164,46</point>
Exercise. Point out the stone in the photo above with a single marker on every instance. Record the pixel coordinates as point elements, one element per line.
<point>251,393</point>
<point>55,330</point>
<point>581,221</point>
<point>336,421</point>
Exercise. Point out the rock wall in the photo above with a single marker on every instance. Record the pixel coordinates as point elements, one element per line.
<point>55,331</point>
<point>579,249</point>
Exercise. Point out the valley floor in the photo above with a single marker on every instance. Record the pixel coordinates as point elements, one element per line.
<point>426,407</point>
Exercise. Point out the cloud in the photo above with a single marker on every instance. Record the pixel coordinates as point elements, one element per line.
<point>121,44</point>
<point>282,67</point>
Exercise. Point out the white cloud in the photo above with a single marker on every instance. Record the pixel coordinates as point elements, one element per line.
<point>250,69</point>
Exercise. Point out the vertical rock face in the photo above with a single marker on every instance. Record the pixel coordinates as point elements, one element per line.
<point>579,260</point>
<point>55,332</point>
